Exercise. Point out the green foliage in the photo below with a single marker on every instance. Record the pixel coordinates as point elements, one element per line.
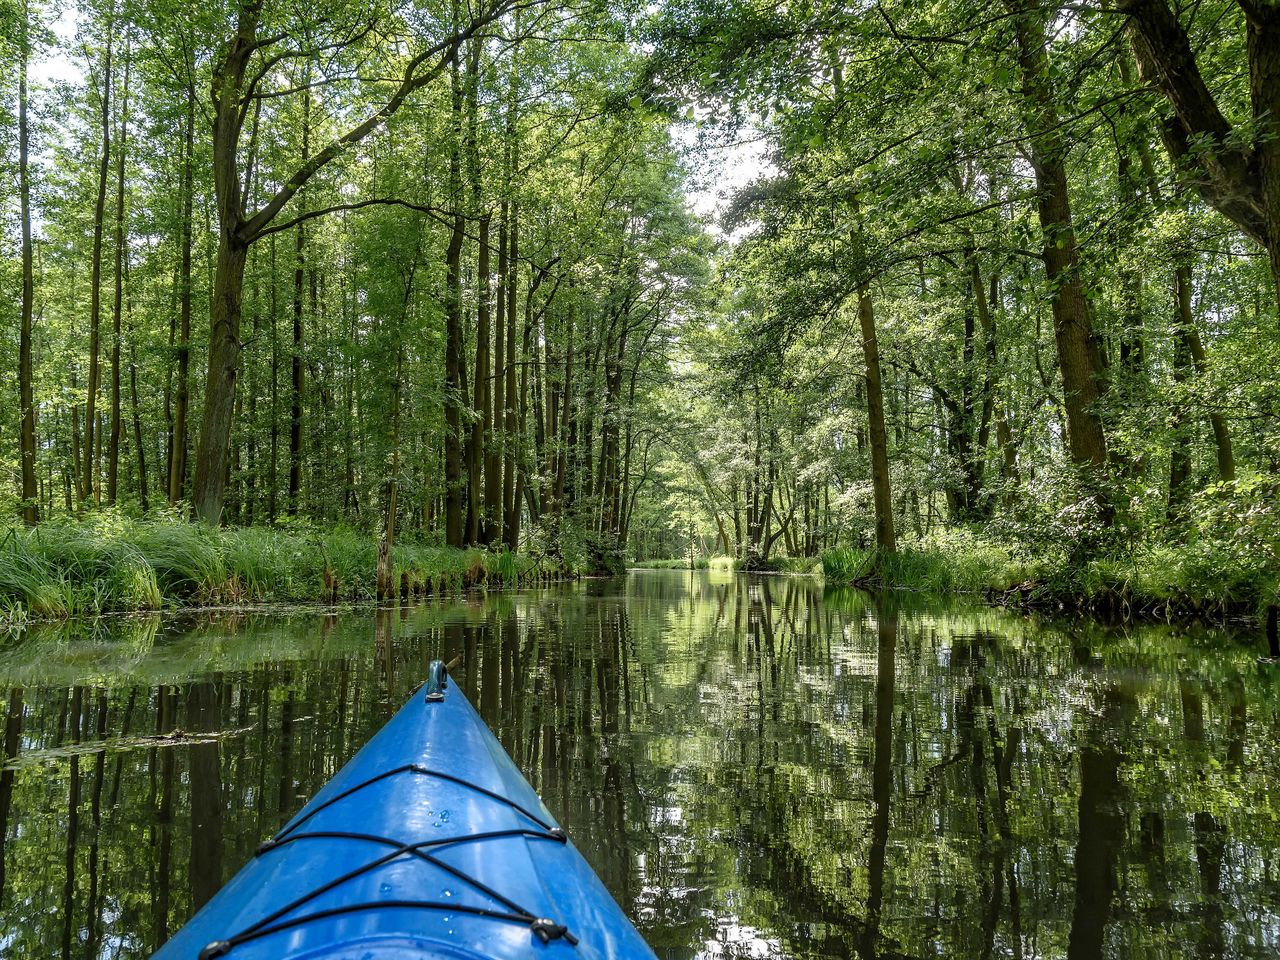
<point>108,563</point>
<point>1197,577</point>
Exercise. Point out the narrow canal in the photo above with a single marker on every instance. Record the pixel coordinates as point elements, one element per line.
<point>756,767</point>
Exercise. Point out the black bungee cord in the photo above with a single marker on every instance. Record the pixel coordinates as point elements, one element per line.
<point>544,929</point>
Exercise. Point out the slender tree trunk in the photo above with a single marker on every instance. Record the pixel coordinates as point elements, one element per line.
<point>386,588</point>
<point>478,526</point>
<point>886,538</point>
<point>89,475</point>
<point>75,443</point>
<point>482,427</point>
<point>453,452</point>
<point>1221,431</point>
<point>117,305</point>
<point>299,340</point>
<point>515,405</point>
<point>498,406</point>
<point>179,441</point>
<point>1079,355</point>
<point>273,467</point>
<point>1180,455</point>
<point>143,494</point>
<point>26,393</point>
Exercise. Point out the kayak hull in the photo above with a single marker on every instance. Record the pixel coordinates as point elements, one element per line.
<point>428,843</point>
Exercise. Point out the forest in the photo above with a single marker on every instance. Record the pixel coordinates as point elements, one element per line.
<point>969,295</point>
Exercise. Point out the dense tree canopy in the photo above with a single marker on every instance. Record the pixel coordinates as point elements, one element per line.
<point>432,269</point>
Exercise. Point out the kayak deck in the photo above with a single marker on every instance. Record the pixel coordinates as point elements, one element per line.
<point>428,843</point>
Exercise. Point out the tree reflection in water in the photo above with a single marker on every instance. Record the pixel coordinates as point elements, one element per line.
<point>754,766</point>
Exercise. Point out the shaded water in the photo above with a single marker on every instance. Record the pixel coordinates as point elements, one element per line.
<point>754,767</point>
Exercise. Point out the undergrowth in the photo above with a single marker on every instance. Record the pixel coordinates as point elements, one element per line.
<point>1193,577</point>
<point>108,563</point>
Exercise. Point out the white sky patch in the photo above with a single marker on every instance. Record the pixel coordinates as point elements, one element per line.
<point>54,64</point>
<point>720,166</point>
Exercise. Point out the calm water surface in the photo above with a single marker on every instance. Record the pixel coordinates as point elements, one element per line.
<point>755,767</point>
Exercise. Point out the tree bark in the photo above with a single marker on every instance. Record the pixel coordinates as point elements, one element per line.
<point>179,441</point>
<point>886,538</point>
<point>515,404</point>
<point>117,305</point>
<point>299,336</point>
<point>26,393</point>
<point>453,441</point>
<point>1079,355</point>
<point>1180,453</point>
<point>494,453</point>
<point>89,475</point>
<point>213,451</point>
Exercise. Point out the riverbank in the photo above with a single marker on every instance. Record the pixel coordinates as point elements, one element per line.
<point>111,564</point>
<point>1155,581</point>
<point>1162,581</point>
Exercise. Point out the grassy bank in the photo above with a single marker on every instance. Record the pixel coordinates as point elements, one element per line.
<point>111,564</point>
<point>1158,580</point>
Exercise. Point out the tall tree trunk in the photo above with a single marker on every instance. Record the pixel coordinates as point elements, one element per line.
<point>231,89</point>
<point>478,527</point>
<point>89,475</point>
<point>179,441</point>
<point>498,404</point>
<point>220,381</point>
<point>453,452</point>
<point>1079,355</point>
<point>299,338</point>
<point>1191,330</point>
<point>143,494</point>
<point>515,404</point>
<point>386,588</point>
<point>1180,454</point>
<point>481,430</point>
<point>117,305</point>
<point>886,538</point>
<point>75,443</point>
<point>273,467</point>
<point>26,393</point>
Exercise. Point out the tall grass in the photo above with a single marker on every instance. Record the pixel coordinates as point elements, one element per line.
<point>1164,579</point>
<point>107,563</point>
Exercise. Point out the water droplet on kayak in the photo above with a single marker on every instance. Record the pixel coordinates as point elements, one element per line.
<point>385,888</point>
<point>444,816</point>
<point>448,893</point>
